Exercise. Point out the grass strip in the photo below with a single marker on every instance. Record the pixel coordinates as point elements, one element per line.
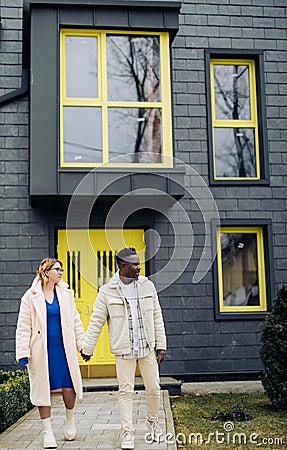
<point>195,425</point>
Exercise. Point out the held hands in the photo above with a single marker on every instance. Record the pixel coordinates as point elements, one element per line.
<point>160,354</point>
<point>86,358</point>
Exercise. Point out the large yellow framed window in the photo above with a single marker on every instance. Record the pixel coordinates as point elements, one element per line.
<point>115,99</point>
<point>241,270</point>
<point>235,142</point>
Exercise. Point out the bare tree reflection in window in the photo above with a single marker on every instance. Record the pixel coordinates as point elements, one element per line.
<point>133,69</point>
<point>123,129</point>
<point>232,100</point>
<point>226,154</point>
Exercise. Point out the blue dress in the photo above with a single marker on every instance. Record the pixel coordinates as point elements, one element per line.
<point>59,373</point>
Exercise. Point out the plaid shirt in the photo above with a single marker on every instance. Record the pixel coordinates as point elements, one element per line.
<point>143,348</point>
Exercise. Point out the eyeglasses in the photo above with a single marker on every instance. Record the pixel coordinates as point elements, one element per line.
<point>58,269</point>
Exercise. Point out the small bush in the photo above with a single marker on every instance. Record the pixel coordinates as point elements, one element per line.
<point>14,397</point>
<point>273,352</point>
<point>237,414</point>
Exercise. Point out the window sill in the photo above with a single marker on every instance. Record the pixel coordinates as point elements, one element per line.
<point>249,182</point>
<point>241,316</point>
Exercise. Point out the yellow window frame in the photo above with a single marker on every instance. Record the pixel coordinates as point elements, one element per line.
<point>261,270</point>
<point>252,123</point>
<point>104,104</point>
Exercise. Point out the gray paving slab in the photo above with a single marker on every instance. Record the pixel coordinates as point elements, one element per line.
<point>97,422</point>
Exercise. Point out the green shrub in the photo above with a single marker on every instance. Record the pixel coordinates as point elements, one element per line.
<point>273,352</point>
<point>14,397</point>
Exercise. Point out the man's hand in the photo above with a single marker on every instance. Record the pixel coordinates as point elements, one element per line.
<point>160,354</point>
<point>86,358</point>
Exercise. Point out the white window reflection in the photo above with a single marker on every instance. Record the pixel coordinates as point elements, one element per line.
<point>81,67</point>
<point>239,256</point>
<point>82,135</point>
<point>135,135</point>
<point>133,69</point>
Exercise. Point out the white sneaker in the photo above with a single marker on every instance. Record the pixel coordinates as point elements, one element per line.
<point>49,439</point>
<point>155,431</point>
<point>128,440</point>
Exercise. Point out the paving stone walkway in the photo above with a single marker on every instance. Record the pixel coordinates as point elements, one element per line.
<point>97,421</point>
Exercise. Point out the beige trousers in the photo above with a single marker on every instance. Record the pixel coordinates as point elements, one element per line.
<point>126,377</point>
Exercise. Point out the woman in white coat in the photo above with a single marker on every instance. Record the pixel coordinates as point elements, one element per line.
<point>49,334</point>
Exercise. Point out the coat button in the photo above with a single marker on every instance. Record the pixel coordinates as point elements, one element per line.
<point>39,332</point>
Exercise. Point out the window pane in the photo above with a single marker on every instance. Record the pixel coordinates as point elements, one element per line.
<point>135,135</point>
<point>82,135</point>
<point>232,93</point>
<point>81,67</point>
<point>133,68</point>
<point>234,152</point>
<point>239,269</point>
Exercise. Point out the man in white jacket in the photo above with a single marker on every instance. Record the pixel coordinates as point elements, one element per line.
<point>130,306</point>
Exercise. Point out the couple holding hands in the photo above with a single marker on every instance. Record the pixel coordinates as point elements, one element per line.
<point>50,333</point>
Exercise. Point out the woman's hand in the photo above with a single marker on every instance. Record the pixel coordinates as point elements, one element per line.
<point>23,361</point>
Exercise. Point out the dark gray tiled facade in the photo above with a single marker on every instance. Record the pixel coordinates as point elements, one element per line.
<point>198,344</point>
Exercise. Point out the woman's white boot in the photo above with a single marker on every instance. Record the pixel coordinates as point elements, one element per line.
<point>49,438</point>
<point>70,428</point>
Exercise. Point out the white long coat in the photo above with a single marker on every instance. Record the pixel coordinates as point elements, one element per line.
<point>110,306</point>
<point>31,339</point>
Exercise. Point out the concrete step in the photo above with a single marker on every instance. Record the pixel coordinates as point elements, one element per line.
<point>110,384</point>
<point>221,387</point>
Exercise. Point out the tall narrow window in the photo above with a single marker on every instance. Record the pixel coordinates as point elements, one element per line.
<point>235,142</point>
<point>241,269</point>
<point>115,99</point>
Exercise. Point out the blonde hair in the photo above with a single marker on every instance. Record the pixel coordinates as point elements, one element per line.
<point>45,265</point>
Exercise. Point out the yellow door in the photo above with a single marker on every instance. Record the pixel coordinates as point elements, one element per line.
<point>88,257</point>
